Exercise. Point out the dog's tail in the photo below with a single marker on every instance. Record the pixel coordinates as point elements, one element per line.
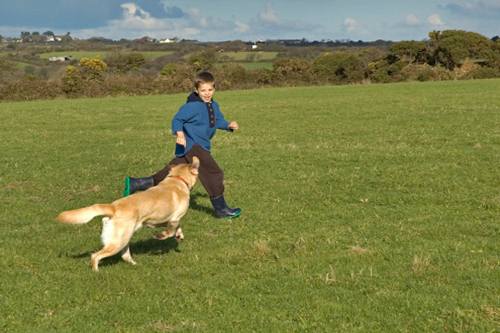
<point>84,215</point>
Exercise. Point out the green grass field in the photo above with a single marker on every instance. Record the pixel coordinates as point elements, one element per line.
<point>245,56</point>
<point>251,65</point>
<point>149,55</point>
<point>366,208</point>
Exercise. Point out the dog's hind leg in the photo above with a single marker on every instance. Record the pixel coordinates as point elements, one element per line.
<point>126,256</point>
<point>114,240</point>
<point>170,231</point>
<point>106,251</point>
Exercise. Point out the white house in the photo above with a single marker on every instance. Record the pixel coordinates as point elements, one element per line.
<point>168,40</point>
<point>60,59</point>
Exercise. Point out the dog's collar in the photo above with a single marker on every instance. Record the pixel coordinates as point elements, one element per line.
<point>181,179</point>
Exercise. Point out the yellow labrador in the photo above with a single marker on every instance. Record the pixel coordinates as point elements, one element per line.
<point>161,205</point>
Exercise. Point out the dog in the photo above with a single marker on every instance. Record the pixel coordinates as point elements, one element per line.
<point>162,205</point>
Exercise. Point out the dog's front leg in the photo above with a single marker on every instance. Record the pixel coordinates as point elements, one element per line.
<point>179,235</point>
<point>126,256</point>
<point>170,231</point>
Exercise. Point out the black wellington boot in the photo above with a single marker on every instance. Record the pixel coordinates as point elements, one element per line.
<point>222,210</point>
<point>137,184</point>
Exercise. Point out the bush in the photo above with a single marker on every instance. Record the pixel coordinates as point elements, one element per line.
<point>450,48</point>
<point>471,70</point>
<point>72,82</point>
<point>85,79</point>
<point>168,70</point>
<point>119,84</point>
<point>261,77</point>
<point>176,77</point>
<point>125,62</point>
<point>203,60</point>
<point>292,71</point>
<point>231,76</point>
<point>409,51</point>
<point>92,68</point>
<point>425,72</point>
<point>30,88</point>
<point>382,71</point>
<point>341,67</point>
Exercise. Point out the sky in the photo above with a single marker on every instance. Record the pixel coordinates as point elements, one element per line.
<point>250,20</point>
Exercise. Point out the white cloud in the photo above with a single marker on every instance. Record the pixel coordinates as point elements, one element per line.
<point>131,9</point>
<point>351,25</point>
<point>241,27</point>
<point>412,20</point>
<point>268,15</point>
<point>135,17</point>
<point>267,24</point>
<point>136,22</point>
<point>483,9</point>
<point>435,20</point>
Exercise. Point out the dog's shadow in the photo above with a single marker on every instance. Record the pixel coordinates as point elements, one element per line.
<point>150,246</point>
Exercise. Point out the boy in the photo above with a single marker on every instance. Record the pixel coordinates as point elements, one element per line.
<point>194,126</point>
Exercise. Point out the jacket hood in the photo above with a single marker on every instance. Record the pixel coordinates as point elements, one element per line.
<point>194,97</point>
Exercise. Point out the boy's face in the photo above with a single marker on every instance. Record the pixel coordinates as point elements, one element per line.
<point>206,91</point>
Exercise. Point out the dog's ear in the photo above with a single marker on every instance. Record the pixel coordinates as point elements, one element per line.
<point>195,165</point>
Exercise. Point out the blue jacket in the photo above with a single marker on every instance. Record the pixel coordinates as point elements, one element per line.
<point>199,121</point>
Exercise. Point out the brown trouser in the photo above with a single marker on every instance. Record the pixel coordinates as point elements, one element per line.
<point>211,175</point>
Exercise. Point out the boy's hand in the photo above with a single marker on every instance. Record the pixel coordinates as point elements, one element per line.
<point>233,125</point>
<point>180,138</point>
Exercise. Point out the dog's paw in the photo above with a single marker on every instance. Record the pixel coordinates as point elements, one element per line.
<point>163,235</point>
<point>179,235</point>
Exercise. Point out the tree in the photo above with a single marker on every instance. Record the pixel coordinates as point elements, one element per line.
<point>451,48</point>
<point>409,51</point>
<point>204,59</point>
<point>37,38</point>
<point>66,38</point>
<point>26,36</point>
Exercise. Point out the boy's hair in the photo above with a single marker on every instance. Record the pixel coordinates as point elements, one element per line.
<point>203,77</point>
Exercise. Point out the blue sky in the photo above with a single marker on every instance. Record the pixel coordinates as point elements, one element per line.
<point>216,20</point>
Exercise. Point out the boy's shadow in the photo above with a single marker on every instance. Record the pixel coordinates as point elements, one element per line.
<point>151,245</point>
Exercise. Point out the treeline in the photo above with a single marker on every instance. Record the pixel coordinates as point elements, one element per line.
<point>446,55</point>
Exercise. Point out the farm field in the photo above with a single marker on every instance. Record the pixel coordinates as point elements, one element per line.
<point>366,208</point>
<point>149,55</point>
<point>251,56</point>
<point>251,65</point>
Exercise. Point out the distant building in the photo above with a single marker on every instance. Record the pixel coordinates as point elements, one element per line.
<point>168,40</point>
<point>145,39</point>
<point>60,59</point>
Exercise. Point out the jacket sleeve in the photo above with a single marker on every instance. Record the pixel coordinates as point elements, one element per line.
<point>220,122</point>
<point>184,115</point>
